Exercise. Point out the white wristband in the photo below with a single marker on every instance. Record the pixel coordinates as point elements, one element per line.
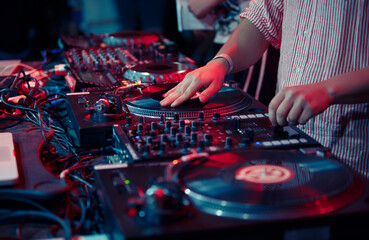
<point>227,58</point>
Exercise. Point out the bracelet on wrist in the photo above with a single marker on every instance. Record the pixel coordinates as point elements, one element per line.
<point>228,59</point>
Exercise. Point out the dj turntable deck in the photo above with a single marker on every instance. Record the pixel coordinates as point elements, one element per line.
<point>238,195</point>
<point>214,170</point>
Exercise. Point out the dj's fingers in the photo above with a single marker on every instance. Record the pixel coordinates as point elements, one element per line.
<point>294,114</point>
<point>306,114</point>
<point>283,111</point>
<point>169,92</point>
<point>187,94</point>
<point>210,91</point>
<point>272,109</point>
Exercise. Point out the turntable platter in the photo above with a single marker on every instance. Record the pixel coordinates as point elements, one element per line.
<point>225,102</point>
<point>270,185</point>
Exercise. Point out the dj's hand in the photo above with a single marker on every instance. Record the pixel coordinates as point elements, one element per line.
<point>297,104</point>
<point>210,77</point>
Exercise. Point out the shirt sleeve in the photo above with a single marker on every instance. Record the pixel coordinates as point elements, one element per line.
<point>267,16</point>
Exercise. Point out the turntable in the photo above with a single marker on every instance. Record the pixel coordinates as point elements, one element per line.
<point>239,195</point>
<point>147,103</point>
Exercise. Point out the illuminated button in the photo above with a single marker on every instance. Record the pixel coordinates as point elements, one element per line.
<point>303,140</point>
<point>267,144</point>
<point>243,117</point>
<point>259,115</point>
<point>285,142</point>
<point>294,141</point>
<point>276,143</point>
<point>251,116</point>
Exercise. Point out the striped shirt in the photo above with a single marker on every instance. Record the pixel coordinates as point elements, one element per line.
<point>319,39</point>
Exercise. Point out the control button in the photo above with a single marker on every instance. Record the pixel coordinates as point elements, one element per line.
<point>303,140</point>
<point>294,141</point>
<point>276,143</point>
<point>285,142</point>
<point>266,144</point>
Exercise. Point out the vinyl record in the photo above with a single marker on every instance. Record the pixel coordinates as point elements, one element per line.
<point>270,185</point>
<point>225,102</point>
<point>158,73</point>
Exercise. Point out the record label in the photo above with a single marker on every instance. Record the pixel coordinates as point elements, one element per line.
<point>264,174</point>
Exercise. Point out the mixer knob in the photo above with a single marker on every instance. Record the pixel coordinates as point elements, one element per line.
<point>173,131</point>
<point>140,128</point>
<point>201,146</point>
<point>149,140</point>
<point>236,123</point>
<point>162,149</point>
<point>186,149</point>
<point>187,131</point>
<point>249,134</point>
<point>278,132</point>
<point>162,118</point>
<point>176,118</point>
<point>179,139</point>
<point>128,121</point>
<point>153,126</point>
<point>193,139</point>
<point>245,142</point>
<point>146,153</point>
<point>163,139</point>
<point>181,125</point>
<point>228,143</point>
<point>194,125</point>
<point>216,116</point>
<point>167,126</point>
<point>201,116</point>
<point>208,138</point>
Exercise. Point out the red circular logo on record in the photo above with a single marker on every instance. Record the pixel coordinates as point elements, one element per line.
<point>264,174</point>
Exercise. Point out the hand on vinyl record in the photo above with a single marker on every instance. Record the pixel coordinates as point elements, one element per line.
<point>297,104</point>
<point>210,77</point>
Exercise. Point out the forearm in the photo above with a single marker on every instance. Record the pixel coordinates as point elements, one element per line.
<point>352,87</point>
<point>245,46</point>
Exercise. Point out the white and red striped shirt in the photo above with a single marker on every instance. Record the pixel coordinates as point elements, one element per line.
<point>319,39</point>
